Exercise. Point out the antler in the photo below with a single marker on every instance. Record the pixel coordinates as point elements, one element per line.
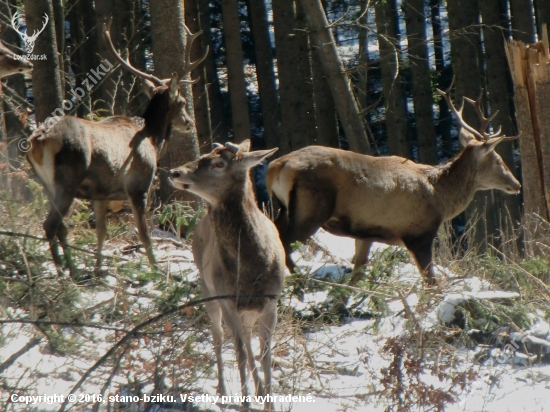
<point>37,32</point>
<point>458,113</point>
<point>188,65</point>
<point>125,63</point>
<point>14,22</point>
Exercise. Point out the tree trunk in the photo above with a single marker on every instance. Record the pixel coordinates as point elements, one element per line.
<point>46,80</point>
<point>498,81</point>
<point>218,119</point>
<point>363,57</point>
<point>444,121</point>
<point>293,113</point>
<point>421,81</point>
<point>396,112</point>
<point>235,70</point>
<point>465,54</point>
<point>305,74</point>
<point>523,21</point>
<point>342,92</point>
<point>103,97</point>
<point>325,111</point>
<point>542,12</point>
<point>200,97</point>
<point>265,73</point>
<point>168,57</point>
<point>83,37</point>
<point>123,26</point>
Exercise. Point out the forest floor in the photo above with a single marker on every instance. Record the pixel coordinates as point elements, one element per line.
<point>477,342</point>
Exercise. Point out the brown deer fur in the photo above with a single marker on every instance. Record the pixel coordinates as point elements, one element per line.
<point>385,199</point>
<point>114,159</point>
<point>10,65</point>
<point>238,252</point>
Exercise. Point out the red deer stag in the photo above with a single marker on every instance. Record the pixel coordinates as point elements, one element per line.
<point>238,252</point>
<point>114,159</point>
<point>385,199</point>
<point>10,63</point>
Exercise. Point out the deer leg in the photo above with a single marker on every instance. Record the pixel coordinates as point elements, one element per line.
<point>268,320</point>
<point>233,322</point>
<point>361,257</point>
<point>100,211</point>
<point>215,314</point>
<point>55,228</point>
<point>421,249</point>
<point>138,201</point>
<point>249,320</point>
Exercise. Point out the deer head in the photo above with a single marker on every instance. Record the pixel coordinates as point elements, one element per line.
<point>29,40</point>
<point>179,116</point>
<point>492,171</point>
<point>10,63</point>
<point>219,172</point>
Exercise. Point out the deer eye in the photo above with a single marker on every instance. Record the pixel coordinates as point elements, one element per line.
<point>218,165</point>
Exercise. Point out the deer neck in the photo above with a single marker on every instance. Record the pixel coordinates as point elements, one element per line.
<point>234,218</point>
<point>158,125</point>
<point>455,183</point>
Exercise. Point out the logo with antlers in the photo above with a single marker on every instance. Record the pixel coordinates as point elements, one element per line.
<point>29,40</point>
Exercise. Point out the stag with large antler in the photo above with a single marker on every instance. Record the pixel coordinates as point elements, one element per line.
<point>113,159</point>
<point>385,199</point>
<point>29,40</point>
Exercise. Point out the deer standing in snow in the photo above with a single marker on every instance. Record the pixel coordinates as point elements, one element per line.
<point>114,159</point>
<point>385,199</point>
<point>238,252</point>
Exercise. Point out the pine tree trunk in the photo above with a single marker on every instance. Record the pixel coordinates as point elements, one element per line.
<point>218,120</point>
<point>293,115</point>
<point>342,92</point>
<point>200,96</point>
<point>421,81</point>
<point>444,121</point>
<point>542,12</point>
<point>325,109</point>
<point>498,83</point>
<point>396,113</point>
<point>46,80</point>
<point>523,21</point>
<point>235,70</point>
<point>265,73</point>
<point>168,57</point>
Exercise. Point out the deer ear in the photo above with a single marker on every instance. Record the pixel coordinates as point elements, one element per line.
<point>174,86</point>
<point>244,147</point>
<point>252,159</point>
<point>148,87</point>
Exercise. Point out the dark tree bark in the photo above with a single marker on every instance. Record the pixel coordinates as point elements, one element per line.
<point>235,70</point>
<point>218,119</point>
<point>444,122</point>
<point>523,21</point>
<point>542,12</point>
<point>465,53</point>
<point>305,74</point>
<point>498,87</point>
<point>123,26</point>
<point>168,57</point>
<point>293,113</point>
<point>83,38</point>
<point>200,97</point>
<point>46,80</point>
<point>104,94</point>
<point>59,18</point>
<point>421,81</point>
<point>342,92</point>
<point>325,110</point>
<point>265,73</point>
<point>396,112</point>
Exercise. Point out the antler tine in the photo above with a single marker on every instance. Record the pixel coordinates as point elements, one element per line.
<point>125,63</point>
<point>189,66</point>
<point>485,121</point>
<point>458,112</point>
<point>36,32</point>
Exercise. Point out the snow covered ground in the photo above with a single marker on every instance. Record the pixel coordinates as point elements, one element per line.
<point>340,366</point>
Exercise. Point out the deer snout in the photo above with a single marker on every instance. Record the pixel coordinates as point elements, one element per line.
<point>177,178</point>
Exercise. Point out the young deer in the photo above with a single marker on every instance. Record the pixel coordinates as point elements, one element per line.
<point>238,252</point>
<point>385,199</point>
<point>10,64</point>
<point>114,159</point>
